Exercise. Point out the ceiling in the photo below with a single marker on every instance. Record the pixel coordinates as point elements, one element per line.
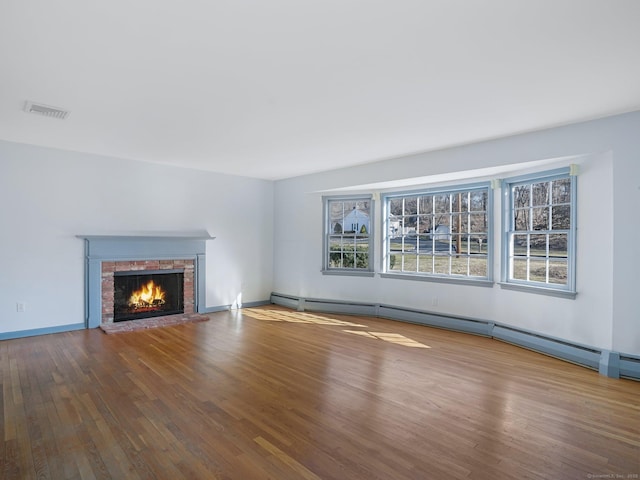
<point>280,88</point>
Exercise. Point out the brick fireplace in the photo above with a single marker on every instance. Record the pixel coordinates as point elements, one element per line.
<point>110,256</point>
<point>110,269</point>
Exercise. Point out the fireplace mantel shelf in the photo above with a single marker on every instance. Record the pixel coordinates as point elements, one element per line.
<point>197,236</point>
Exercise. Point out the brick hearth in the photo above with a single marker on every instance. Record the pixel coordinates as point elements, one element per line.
<point>155,322</point>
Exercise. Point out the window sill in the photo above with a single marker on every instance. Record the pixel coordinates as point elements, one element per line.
<point>427,278</point>
<point>349,273</point>
<point>552,292</point>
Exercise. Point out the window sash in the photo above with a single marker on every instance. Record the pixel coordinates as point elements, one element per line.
<point>540,230</point>
<point>347,238</point>
<point>435,232</point>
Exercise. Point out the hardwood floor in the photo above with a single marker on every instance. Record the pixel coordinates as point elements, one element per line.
<point>273,393</point>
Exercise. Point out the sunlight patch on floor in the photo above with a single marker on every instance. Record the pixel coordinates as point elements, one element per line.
<point>390,337</point>
<point>295,317</point>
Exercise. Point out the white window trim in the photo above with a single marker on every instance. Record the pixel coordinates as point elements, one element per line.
<point>432,277</point>
<point>563,291</point>
<point>358,272</point>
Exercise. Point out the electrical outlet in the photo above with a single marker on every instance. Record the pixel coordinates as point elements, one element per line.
<point>21,307</point>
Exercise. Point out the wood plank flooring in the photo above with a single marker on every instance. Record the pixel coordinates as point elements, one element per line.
<point>270,393</point>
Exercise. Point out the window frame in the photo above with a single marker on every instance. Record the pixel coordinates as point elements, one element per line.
<point>486,281</point>
<point>567,290</point>
<point>326,233</point>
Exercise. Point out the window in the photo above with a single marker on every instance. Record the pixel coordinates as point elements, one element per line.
<point>438,234</point>
<point>540,231</point>
<point>348,240</point>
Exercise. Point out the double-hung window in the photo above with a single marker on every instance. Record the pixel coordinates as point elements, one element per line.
<point>348,235</point>
<point>439,234</point>
<point>540,231</point>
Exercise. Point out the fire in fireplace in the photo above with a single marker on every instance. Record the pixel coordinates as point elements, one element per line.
<point>147,293</point>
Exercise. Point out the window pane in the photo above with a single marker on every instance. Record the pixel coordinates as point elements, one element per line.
<point>395,262</point>
<point>335,260</point>
<point>443,224</point>
<point>520,244</point>
<point>478,266</point>
<point>558,272</point>
<point>456,200</point>
<point>441,203</point>
<point>425,204</point>
<point>540,193</point>
<point>460,244</point>
<point>464,223</point>
<point>521,196</point>
<point>478,244</point>
<point>478,222</point>
<point>520,269</point>
<point>410,224</point>
<point>362,259</point>
<point>423,243</point>
<point>441,265</point>
<point>430,223</point>
<point>540,217</point>
<point>410,205</point>
<point>537,271</point>
<point>423,224</point>
<point>561,217</point>
<point>538,245</point>
<point>425,264</point>
<point>562,191</point>
<point>410,263</point>
<point>521,219</point>
<point>395,244</point>
<point>460,265</point>
<point>336,214</point>
<point>395,206</point>
<point>409,243</point>
<point>478,201</point>
<point>558,245</point>
<point>465,202</point>
<point>456,222</point>
<point>402,222</point>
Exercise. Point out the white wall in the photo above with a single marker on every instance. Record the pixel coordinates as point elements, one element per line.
<point>47,197</point>
<point>604,313</point>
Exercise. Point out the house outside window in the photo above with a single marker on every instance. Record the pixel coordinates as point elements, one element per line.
<point>348,240</point>
<point>540,232</point>
<point>439,234</point>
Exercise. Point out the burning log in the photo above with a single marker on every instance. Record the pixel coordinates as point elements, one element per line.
<point>149,295</point>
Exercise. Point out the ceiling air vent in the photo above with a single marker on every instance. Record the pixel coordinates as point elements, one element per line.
<point>46,110</point>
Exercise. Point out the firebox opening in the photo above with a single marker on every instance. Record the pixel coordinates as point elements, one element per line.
<point>145,294</point>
